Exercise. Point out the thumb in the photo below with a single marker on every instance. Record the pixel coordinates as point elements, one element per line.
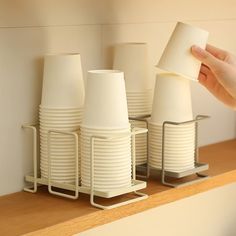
<point>206,58</point>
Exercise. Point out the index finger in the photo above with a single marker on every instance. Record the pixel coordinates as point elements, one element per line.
<point>217,52</point>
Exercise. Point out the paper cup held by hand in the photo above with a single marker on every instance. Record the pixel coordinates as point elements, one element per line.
<point>177,57</point>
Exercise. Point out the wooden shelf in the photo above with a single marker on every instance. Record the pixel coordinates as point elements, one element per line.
<point>45,214</point>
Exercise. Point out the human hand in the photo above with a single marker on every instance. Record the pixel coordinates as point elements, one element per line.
<point>218,73</point>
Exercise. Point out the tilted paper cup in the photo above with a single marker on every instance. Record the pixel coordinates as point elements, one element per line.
<point>177,57</point>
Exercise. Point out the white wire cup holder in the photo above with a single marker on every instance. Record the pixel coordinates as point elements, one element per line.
<point>136,185</point>
<point>36,180</point>
<point>33,128</point>
<point>75,135</point>
<point>198,167</point>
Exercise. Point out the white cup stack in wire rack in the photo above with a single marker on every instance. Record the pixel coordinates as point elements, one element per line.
<point>172,101</point>
<point>132,59</point>
<point>106,115</point>
<point>61,109</point>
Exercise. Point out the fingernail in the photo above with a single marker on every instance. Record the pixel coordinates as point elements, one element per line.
<point>199,51</point>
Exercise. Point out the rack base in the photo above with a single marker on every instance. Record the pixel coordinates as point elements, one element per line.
<point>199,167</point>
<point>135,186</point>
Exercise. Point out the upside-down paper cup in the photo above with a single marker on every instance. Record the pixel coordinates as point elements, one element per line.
<point>106,103</point>
<point>132,58</point>
<point>63,85</point>
<point>177,57</point>
<point>172,99</point>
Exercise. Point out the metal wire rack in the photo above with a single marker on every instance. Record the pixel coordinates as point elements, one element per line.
<point>147,170</point>
<point>77,188</point>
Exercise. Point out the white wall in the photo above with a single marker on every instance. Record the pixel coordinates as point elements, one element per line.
<point>211,213</point>
<point>31,28</point>
<point>153,21</point>
<point>28,30</point>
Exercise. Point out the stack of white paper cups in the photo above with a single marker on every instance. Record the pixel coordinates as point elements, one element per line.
<point>132,59</point>
<point>106,115</point>
<point>172,102</point>
<point>61,109</point>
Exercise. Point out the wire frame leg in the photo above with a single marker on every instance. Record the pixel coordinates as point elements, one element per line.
<point>50,182</point>
<point>141,196</point>
<point>144,119</point>
<point>35,185</point>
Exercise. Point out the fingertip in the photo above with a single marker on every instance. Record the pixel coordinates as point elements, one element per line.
<point>198,52</point>
<point>194,49</point>
<point>202,79</point>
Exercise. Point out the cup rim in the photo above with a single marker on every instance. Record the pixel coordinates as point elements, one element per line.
<point>131,43</point>
<point>105,71</point>
<point>191,26</point>
<point>62,54</point>
<point>107,128</point>
<point>55,109</point>
<point>177,73</point>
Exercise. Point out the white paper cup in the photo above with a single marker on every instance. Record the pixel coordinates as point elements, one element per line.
<point>172,99</point>
<point>179,147</point>
<point>108,139</point>
<point>64,171</point>
<point>58,118</point>
<point>105,142</point>
<point>63,84</point>
<point>58,152</point>
<point>112,152</point>
<point>60,110</point>
<point>107,187</point>
<point>58,143</point>
<point>68,118</point>
<point>172,128</point>
<point>115,130</point>
<point>59,165</point>
<point>63,115</point>
<point>112,158</point>
<point>57,162</point>
<point>103,166</point>
<point>177,57</point>
<point>174,157</point>
<point>173,164</point>
<point>132,58</point>
<point>56,165</point>
<point>118,178</point>
<point>60,125</point>
<point>106,104</point>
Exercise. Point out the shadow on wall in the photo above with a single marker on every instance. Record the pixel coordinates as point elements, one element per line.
<point>22,48</point>
<point>110,15</point>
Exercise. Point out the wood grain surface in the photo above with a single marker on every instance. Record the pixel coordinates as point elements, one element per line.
<point>44,214</point>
